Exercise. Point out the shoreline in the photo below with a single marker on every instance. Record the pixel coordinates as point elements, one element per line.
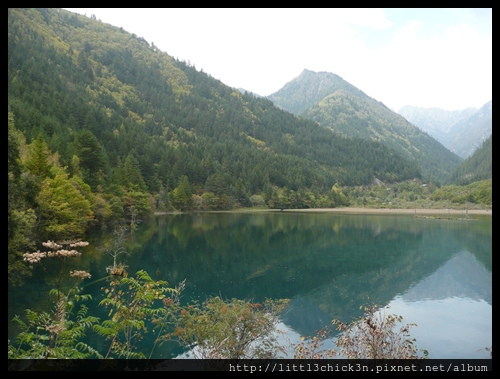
<point>424,211</point>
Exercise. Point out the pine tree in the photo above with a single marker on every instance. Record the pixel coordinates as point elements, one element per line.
<point>183,194</point>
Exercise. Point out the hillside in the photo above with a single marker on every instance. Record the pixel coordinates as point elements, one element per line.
<point>460,131</point>
<point>334,103</point>
<point>435,121</point>
<point>478,166</point>
<point>467,136</point>
<point>134,117</point>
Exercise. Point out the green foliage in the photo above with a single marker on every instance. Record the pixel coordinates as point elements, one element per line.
<point>232,329</point>
<point>20,241</point>
<point>415,194</point>
<point>132,306</point>
<point>183,195</point>
<point>478,167</point>
<point>209,201</point>
<point>56,334</point>
<point>91,157</point>
<point>257,201</point>
<point>38,159</point>
<point>52,335</point>
<point>21,218</point>
<point>475,193</point>
<point>136,204</point>
<point>137,118</point>
<point>333,103</point>
<point>130,175</point>
<point>13,142</point>
<point>64,210</point>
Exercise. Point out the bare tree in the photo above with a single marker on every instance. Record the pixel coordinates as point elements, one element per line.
<point>116,248</point>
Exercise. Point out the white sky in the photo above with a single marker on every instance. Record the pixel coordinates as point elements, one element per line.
<point>422,57</point>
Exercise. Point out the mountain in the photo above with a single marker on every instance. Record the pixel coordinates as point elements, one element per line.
<point>242,90</point>
<point>308,89</point>
<point>131,117</point>
<point>478,166</point>
<point>435,121</point>
<point>460,131</point>
<point>468,135</point>
<point>334,103</point>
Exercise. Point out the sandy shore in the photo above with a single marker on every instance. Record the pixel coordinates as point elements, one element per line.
<point>455,212</point>
<point>397,211</point>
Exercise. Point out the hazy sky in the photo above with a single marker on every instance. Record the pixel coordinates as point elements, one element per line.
<point>423,57</point>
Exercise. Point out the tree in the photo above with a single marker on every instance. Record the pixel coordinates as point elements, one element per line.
<point>183,194</point>
<point>129,175</point>
<point>64,211</point>
<point>115,248</point>
<point>91,155</point>
<point>231,329</point>
<point>131,302</point>
<point>38,159</point>
<point>21,219</point>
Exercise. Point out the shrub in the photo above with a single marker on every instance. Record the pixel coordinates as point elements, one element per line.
<point>232,329</point>
<point>375,336</point>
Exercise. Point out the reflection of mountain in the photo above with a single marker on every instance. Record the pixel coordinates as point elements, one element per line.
<point>461,276</point>
<point>438,259</point>
<point>328,264</point>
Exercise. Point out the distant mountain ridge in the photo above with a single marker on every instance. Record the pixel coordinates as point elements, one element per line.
<point>336,104</point>
<point>479,166</point>
<point>461,131</point>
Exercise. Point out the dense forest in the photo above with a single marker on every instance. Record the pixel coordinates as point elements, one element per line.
<point>334,103</point>
<point>124,115</point>
<point>104,127</point>
<point>478,166</point>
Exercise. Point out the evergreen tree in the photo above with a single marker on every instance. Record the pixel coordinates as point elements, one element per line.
<point>132,177</point>
<point>183,194</point>
<point>91,155</point>
<point>38,159</point>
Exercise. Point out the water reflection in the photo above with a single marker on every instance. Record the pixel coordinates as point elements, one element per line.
<point>437,273</point>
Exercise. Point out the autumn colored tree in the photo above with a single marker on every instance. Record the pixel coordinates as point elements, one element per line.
<point>64,211</point>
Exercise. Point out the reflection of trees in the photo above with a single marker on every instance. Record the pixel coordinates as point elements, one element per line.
<point>329,264</point>
<point>283,254</point>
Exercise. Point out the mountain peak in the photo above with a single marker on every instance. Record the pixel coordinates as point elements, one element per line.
<point>334,103</point>
<point>308,89</point>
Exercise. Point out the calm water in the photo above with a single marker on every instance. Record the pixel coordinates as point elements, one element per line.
<point>436,273</point>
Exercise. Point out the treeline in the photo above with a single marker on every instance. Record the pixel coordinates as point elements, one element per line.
<point>415,194</point>
<point>479,166</point>
<point>104,127</point>
<point>116,103</point>
<point>334,103</point>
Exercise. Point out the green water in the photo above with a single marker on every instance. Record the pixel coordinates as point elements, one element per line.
<point>436,273</point>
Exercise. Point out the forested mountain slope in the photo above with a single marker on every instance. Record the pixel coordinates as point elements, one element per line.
<point>334,103</point>
<point>478,166</point>
<point>108,97</point>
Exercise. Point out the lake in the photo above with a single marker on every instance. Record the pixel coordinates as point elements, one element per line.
<point>435,273</point>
